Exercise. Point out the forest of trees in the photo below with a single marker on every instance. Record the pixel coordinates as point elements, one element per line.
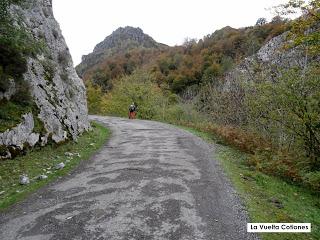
<point>193,62</point>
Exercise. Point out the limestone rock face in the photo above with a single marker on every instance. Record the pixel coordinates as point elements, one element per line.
<point>266,64</point>
<point>18,136</point>
<point>58,92</point>
<point>56,88</point>
<point>274,53</point>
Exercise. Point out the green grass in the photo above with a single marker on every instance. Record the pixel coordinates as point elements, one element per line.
<point>257,189</point>
<point>11,114</point>
<point>40,161</point>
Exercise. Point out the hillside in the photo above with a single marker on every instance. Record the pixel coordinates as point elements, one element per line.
<point>183,66</point>
<point>121,41</point>
<point>255,87</point>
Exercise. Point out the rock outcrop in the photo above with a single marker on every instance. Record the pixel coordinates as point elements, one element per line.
<point>267,63</point>
<point>20,135</point>
<point>57,91</point>
<point>121,40</point>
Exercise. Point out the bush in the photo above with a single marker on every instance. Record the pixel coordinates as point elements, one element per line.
<point>10,114</point>
<point>49,70</point>
<point>287,112</point>
<point>64,58</point>
<point>313,180</point>
<point>139,88</point>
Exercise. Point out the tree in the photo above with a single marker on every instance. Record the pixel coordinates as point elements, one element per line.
<point>261,21</point>
<point>277,19</point>
<point>189,43</point>
<point>94,98</point>
<point>288,111</point>
<point>101,79</point>
<point>304,30</point>
<point>139,88</point>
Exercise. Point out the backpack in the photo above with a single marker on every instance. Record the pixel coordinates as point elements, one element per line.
<point>132,108</point>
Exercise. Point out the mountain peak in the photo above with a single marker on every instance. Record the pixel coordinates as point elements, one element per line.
<point>121,40</point>
<point>126,38</point>
<point>128,29</point>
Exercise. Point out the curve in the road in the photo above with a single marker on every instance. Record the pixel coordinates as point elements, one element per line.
<point>150,181</point>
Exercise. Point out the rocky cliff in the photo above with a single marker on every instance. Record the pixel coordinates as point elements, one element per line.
<point>120,41</point>
<point>268,63</point>
<point>57,92</point>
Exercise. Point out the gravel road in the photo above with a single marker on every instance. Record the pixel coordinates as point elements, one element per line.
<point>151,181</point>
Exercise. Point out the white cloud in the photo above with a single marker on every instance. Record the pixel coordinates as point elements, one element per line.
<point>85,23</point>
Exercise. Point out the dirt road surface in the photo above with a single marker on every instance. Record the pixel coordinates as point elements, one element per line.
<point>151,181</point>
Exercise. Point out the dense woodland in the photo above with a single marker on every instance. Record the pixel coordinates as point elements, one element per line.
<point>193,63</point>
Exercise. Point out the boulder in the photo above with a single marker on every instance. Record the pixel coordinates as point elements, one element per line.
<point>59,166</point>
<point>24,180</point>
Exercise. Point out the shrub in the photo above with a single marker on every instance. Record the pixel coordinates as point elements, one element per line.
<point>64,58</point>
<point>288,112</point>
<point>313,180</point>
<point>49,70</point>
<point>64,77</point>
<point>94,99</point>
<point>139,88</point>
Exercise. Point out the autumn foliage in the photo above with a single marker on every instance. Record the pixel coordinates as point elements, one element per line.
<point>192,63</point>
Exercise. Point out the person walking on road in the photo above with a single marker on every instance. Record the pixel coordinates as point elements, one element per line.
<point>132,111</point>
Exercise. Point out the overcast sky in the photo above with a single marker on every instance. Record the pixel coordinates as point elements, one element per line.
<point>85,23</point>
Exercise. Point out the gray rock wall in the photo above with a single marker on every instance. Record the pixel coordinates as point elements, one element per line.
<point>55,86</point>
<point>266,64</point>
<point>19,136</point>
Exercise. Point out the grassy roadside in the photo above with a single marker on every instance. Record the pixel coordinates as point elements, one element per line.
<point>43,161</point>
<point>268,199</point>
